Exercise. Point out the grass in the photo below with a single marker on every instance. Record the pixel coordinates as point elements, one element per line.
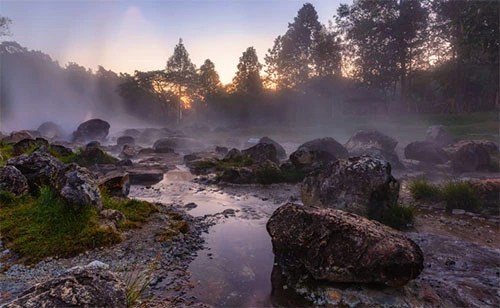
<point>6,152</point>
<point>460,195</point>
<point>397,217</point>
<point>421,190</point>
<point>135,211</point>
<point>137,282</point>
<point>46,226</point>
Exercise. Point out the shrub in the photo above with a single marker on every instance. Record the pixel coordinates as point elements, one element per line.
<point>421,190</point>
<point>397,217</point>
<point>460,195</point>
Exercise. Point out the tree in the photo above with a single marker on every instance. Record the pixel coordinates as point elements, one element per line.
<point>5,26</point>
<point>209,81</point>
<point>247,80</point>
<point>181,74</point>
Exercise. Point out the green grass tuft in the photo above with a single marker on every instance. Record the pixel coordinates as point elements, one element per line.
<point>136,211</point>
<point>421,190</point>
<point>398,217</point>
<point>460,195</point>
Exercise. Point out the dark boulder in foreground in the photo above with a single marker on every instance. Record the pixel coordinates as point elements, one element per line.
<point>95,129</point>
<point>426,152</point>
<point>280,151</point>
<point>12,180</point>
<point>356,184</point>
<point>317,153</point>
<point>81,286</point>
<point>337,246</point>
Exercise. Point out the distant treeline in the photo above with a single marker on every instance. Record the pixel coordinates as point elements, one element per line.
<point>374,56</point>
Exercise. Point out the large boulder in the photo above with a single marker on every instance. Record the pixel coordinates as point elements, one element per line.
<point>26,145</point>
<point>60,150</point>
<point>488,192</point>
<point>374,144</point>
<point>317,153</point>
<point>336,246</point>
<point>78,187</point>
<point>12,180</point>
<point>426,152</point>
<point>261,152</point>
<point>280,151</point>
<point>438,134</point>
<point>17,136</point>
<point>93,155</point>
<point>39,168</point>
<point>95,129</point>
<point>92,285</point>
<point>123,140</point>
<point>238,175</point>
<point>468,155</point>
<point>357,184</point>
<point>116,184</point>
<point>51,130</point>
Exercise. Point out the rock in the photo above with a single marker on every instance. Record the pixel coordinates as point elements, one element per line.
<point>317,153</point>
<point>26,145</point>
<point>163,146</point>
<point>190,205</point>
<point>144,175</point>
<point>458,212</point>
<point>93,155</point>
<point>78,187</point>
<point>191,157</point>
<point>467,155</point>
<point>358,184</point>
<point>51,131</point>
<point>261,152</point>
<point>370,139</point>
<point>238,175</point>
<point>176,143</point>
<point>60,150</point>
<point>132,132</point>
<point>123,140</point>
<point>336,246</point>
<point>426,152</point>
<point>439,135</point>
<point>95,129</point>
<point>109,218</point>
<point>12,180</point>
<point>200,166</point>
<point>488,192</point>
<point>280,151</point>
<point>15,137</point>
<point>81,286</point>
<point>39,168</point>
<point>233,154</point>
<point>128,151</point>
<point>116,184</point>
<point>221,150</point>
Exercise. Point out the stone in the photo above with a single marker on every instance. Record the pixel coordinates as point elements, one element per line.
<point>238,175</point>
<point>93,155</point>
<point>439,135</point>
<point>60,150</point>
<point>81,286</point>
<point>109,218</point>
<point>12,180</point>
<point>116,184</point>
<point>368,139</point>
<point>39,168</point>
<point>280,151</point>
<point>94,129</point>
<point>144,175</point>
<point>221,150</point>
<point>261,152</point>
<point>26,145</point>
<point>233,154</point>
<point>78,187</point>
<point>163,146</point>
<point>357,184</point>
<point>458,212</point>
<point>317,153</point>
<point>132,132</point>
<point>123,140</point>
<point>488,192</point>
<point>51,131</point>
<point>17,136</point>
<point>426,152</point>
<point>336,246</point>
<point>177,143</point>
<point>467,156</point>
<point>128,151</point>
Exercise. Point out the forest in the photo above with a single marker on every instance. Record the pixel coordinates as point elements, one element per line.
<point>374,56</point>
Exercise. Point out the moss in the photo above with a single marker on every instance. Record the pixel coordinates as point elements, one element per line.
<point>135,211</point>
<point>71,158</point>
<point>397,217</point>
<point>46,226</point>
<point>6,152</point>
<point>270,175</point>
<point>460,195</point>
<point>421,190</point>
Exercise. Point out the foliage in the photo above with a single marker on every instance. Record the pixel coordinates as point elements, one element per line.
<point>421,190</point>
<point>46,226</point>
<point>397,217</point>
<point>247,80</point>
<point>135,211</point>
<point>138,281</point>
<point>460,195</point>
<point>6,152</point>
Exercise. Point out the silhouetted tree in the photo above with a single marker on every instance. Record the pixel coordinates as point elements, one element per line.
<point>209,81</point>
<point>247,80</point>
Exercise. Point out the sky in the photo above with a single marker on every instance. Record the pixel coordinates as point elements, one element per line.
<point>125,36</point>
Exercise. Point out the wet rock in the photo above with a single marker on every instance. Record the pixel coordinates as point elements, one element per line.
<point>26,145</point>
<point>51,131</point>
<point>191,205</point>
<point>39,168</point>
<point>93,155</point>
<point>468,155</point>
<point>12,180</point>
<point>128,151</point>
<point>374,144</point>
<point>426,152</point>
<point>15,137</point>
<point>261,152</point>
<point>317,153</point>
<point>357,184</point>
<point>81,286</point>
<point>280,151</point>
<point>78,187</point>
<point>439,135</point>
<point>123,140</point>
<point>94,129</point>
<point>116,184</point>
<point>336,246</point>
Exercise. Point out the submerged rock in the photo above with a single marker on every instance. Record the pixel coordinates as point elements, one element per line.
<point>82,286</point>
<point>94,129</point>
<point>337,246</point>
<point>357,184</point>
<point>12,180</point>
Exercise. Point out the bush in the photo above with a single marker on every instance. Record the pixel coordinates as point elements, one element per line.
<point>460,195</point>
<point>398,217</point>
<point>421,190</point>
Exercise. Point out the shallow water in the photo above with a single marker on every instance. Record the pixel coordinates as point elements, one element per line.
<point>235,268</point>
